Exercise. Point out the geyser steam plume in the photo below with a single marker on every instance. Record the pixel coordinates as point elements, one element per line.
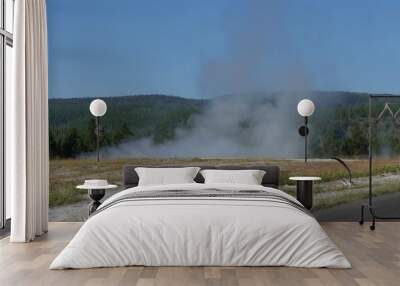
<point>258,59</point>
<point>231,126</point>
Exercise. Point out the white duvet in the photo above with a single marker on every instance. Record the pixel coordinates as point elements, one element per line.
<point>200,231</point>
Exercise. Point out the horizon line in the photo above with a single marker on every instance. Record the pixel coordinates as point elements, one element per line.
<point>230,94</point>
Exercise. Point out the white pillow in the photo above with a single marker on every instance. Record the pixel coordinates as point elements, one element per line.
<point>165,176</point>
<point>248,177</point>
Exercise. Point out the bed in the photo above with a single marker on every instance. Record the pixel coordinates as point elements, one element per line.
<point>198,224</point>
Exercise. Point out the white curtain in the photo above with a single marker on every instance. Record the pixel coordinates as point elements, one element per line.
<point>27,124</point>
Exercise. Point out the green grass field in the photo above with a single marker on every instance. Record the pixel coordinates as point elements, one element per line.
<point>66,174</point>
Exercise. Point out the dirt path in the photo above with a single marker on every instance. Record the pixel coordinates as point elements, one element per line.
<point>74,212</point>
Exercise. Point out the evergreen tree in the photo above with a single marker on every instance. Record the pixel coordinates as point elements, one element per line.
<point>53,145</point>
<point>71,146</point>
<point>122,133</point>
<point>356,142</point>
<point>90,135</point>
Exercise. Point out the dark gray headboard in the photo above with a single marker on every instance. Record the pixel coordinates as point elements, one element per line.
<point>271,177</point>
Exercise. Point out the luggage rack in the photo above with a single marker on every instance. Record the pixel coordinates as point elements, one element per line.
<point>386,109</point>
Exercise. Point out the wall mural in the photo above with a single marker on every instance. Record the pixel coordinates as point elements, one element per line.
<point>217,84</point>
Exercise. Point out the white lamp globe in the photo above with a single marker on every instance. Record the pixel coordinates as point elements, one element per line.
<point>305,107</point>
<point>98,107</point>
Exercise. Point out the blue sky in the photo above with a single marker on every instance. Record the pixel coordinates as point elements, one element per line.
<point>205,48</point>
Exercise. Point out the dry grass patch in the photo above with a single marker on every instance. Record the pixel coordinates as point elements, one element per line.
<point>66,174</point>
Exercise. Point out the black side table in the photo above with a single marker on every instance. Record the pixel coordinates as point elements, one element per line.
<point>95,193</point>
<point>304,191</point>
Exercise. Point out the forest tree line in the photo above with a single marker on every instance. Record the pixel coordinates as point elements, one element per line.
<point>72,130</point>
<point>336,130</point>
<point>71,142</point>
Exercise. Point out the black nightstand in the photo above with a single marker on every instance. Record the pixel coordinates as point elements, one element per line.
<point>95,193</point>
<point>304,191</point>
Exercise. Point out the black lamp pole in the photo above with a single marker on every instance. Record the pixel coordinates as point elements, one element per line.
<point>305,108</point>
<point>98,108</point>
<point>305,137</point>
<point>303,131</point>
<point>98,137</point>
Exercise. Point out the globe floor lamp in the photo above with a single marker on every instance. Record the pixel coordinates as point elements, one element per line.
<point>305,108</point>
<point>98,108</point>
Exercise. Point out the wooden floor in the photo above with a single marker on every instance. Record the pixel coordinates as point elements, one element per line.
<point>375,257</point>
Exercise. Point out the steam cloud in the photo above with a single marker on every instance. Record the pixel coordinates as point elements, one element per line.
<point>232,126</point>
<point>242,122</point>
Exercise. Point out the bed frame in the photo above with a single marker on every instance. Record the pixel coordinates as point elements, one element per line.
<point>271,178</point>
